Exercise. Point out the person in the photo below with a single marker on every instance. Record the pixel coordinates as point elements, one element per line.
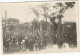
<point>23,45</point>
<point>27,43</point>
<point>7,43</point>
<point>36,45</point>
<point>14,39</point>
<point>4,41</point>
<point>31,44</point>
<point>44,41</point>
<point>19,42</point>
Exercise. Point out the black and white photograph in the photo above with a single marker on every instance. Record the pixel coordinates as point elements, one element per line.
<point>39,27</point>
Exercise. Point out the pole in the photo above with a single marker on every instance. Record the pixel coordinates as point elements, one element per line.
<point>5,22</point>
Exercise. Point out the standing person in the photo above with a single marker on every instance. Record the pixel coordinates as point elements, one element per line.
<point>19,42</point>
<point>14,40</point>
<point>27,43</point>
<point>44,41</point>
<point>7,43</point>
<point>31,45</point>
<point>10,40</point>
<point>4,41</point>
<point>23,44</point>
<point>36,43</point>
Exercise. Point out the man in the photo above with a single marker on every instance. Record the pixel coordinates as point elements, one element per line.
<point>6,43</point>
<point>31,45</point>
<point>23,44</point>
<point>27,43</point>
<point>19,42</point>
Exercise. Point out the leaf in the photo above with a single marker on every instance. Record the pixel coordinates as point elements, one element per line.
<point>52,19</point>
<point>59,4</point>
<point>69,4</point>
<point>60,16</point>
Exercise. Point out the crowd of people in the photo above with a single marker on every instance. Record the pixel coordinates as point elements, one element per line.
<point>34,42</point>
<point>29,43</point>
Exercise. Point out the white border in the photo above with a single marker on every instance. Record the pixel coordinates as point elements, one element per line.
<point>72,53</point>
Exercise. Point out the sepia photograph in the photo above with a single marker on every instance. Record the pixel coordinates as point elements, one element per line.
<point>39,27</point>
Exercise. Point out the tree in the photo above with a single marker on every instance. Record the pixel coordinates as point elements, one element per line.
<point>12,23</point>
<point>59,16</point>
<point>9,26</point>
<point>35,22</point>
<point>45,10</point>
<point>23,29</point>
<point>35,26</point>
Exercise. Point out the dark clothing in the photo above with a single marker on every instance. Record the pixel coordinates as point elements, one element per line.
<point>31,45</point>
<point>27,43</point>
<point>14,40</point>
<point>20,40</point>
<point>6,43</point>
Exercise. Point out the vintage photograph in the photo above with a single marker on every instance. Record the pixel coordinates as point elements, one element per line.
<point>39,27</point>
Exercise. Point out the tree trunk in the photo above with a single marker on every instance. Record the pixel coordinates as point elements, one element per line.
<point>53,34</point>
<point>59,33</point>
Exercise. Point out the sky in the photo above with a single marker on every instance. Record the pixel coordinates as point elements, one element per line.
<point>23,12</point>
